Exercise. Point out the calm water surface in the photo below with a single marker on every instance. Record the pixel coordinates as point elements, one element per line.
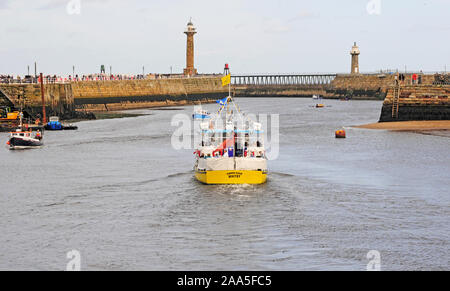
<point>117,192</point>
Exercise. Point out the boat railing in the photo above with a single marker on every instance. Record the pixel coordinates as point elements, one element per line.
<point>21,133</point>
<point>229,131</point>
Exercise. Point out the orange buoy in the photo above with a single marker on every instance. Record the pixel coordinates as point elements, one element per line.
<point>320,105</point>
<point>340,133</point>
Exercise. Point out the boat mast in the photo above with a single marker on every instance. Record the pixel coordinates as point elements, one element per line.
<point>44,115</point>
<point>21,119</point>
<point>234,131</point>
<point>229,87</point>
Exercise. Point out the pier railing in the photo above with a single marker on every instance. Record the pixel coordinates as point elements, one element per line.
<point>275,80</point>
<point>97,77</point>
<point>238,79</point>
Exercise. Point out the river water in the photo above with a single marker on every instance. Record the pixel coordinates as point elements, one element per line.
<point>119,194</point>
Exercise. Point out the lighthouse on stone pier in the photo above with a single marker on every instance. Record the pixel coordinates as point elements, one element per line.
<point>190,32</point>
<point>355,59</point>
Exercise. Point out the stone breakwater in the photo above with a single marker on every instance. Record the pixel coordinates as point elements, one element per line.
<point>73,99</point>
<point>79,99</point>
<point>361,86</point>
<point>418,102</point>
<point>358,86</point>
<point>372,87</point>
<point>58,98</point>
<point>134,94</point>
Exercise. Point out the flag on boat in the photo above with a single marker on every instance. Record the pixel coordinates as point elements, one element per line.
<point>222,101</point>
<point>226,80</point>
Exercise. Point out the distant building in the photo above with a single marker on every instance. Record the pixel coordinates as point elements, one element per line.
<point>190,32</point>
<point>355,59</point>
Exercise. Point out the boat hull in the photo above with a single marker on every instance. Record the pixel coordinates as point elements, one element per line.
<point>197,116</point>
<point>59,127</point>
<point>19,143</point>
<point>53,126</point>
<point>231,177</point>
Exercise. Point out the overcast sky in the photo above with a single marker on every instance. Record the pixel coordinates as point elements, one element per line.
<point>254,36</point>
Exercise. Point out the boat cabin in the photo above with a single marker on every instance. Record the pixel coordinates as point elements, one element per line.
<point>21,133</point>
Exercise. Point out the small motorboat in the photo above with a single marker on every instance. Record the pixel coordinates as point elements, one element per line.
<point>24,140</point>
<point>54,124</point>
<point>318,99</point>
<point>201,115</point>
<point>23,137</point>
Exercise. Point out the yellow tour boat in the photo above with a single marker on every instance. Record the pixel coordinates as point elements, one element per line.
<point>231,150</point>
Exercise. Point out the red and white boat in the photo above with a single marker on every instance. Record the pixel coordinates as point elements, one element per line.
<point>24,139</point>
<point>20,140</point>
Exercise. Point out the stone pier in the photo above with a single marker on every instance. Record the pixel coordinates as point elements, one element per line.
<point>418,102</point>
<point>67,100</point>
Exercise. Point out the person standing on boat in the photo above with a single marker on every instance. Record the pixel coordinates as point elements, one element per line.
<point>38,134</point>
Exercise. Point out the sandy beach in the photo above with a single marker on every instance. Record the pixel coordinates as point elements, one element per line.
<point>409,125</point>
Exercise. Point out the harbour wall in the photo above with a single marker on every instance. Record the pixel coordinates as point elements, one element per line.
<point>354,86</point>
<point>71,100</point>
<point>280,91</point>
<point>360,86</point>
<point>418,102</point>
<point>58,98</point>
<point>134,94</point>
<point>79,99</point>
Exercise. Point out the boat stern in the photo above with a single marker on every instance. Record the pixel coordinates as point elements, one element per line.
<point>231,177</point>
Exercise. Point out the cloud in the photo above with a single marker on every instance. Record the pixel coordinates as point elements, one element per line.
<point>274,25</point>
<point>53,4</point>
<point>4,4</point>
<point>303,15</point>
<point>57,4</point>
<point>17,29</point>
<point>129,34</point>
